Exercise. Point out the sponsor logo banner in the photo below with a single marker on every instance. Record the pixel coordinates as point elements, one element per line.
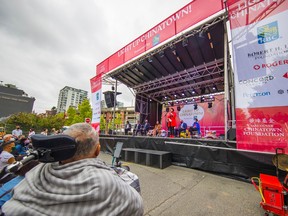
<point>259,41</point>
<point>96,91</point>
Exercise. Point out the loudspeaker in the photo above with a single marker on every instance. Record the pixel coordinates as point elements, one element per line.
<point>231,134</point>
<point>109,99</point>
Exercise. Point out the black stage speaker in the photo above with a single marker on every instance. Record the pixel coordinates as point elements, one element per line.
<point>231,134</point>
<point>109,99</point>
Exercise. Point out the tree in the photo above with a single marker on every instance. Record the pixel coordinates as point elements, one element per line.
<point>78,115</point>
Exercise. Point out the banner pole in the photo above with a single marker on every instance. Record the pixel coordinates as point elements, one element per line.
<point>226,87</point>
<point>115,94</point>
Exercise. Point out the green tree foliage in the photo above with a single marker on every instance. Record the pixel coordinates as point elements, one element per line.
<point>39,122</point>
<point>76,116</point>
<point>102,123</point>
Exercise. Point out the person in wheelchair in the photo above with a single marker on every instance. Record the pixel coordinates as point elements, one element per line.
<point>79,185</point>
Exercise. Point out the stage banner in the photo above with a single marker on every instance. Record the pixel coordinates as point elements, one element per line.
<point>103,67</point>
<point>210,119</point>
<point>184,18</point>
<point>96,92</point>
<point>259,43</point>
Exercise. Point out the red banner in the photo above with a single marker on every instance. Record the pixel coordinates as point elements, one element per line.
<point>259,38</point>
<point>262,129</point>
<point>243,12</point>
<point>195,12</point>
<point>103,67</point>
<point>184,18</point>
<point>133,49</point>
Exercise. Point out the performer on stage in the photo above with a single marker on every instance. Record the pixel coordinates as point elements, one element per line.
<point>171,121</point>
<point>195,127</point>
<point>157,129</point>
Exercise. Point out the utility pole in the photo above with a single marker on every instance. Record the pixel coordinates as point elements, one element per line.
<point>114,108</point>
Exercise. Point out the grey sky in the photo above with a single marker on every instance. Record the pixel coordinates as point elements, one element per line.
<point>46,45</point>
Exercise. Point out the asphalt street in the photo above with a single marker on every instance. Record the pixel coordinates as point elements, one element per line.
<point>183,191</point>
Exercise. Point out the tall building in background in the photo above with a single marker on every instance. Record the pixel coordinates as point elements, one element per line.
<point>69,96</point>
<point>14,100</point>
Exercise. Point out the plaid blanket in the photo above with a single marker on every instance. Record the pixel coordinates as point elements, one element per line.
<point>85,187</point>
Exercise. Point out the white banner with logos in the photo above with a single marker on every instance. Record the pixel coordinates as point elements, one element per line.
<point>260,57</point>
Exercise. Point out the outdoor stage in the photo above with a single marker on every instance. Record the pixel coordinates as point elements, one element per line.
<point>216,156</point>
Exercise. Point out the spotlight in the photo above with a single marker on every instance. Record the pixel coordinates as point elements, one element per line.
<point>201,34</point>
<point>161,54</point>
<point>150,59</point>
<point>195,106</point>
<point>202,99</point>
<point>185,42</point>
<point>210,105</point>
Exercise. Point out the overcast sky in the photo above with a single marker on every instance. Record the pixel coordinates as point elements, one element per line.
<point>47,45</point>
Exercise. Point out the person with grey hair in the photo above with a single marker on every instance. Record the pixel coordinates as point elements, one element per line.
<point>80,185</point>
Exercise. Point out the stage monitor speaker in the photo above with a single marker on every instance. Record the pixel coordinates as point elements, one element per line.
<point>109,99</point>
<point>231,134</point>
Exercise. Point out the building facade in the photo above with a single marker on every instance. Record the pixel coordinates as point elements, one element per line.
<point>69,96</point>
<point>126,114</point>
<point>14,100</point>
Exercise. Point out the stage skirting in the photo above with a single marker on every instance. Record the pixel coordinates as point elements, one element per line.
<point>216,156</point>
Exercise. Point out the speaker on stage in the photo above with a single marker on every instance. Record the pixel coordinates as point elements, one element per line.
<point>231,134</point>
<point>109,98</point>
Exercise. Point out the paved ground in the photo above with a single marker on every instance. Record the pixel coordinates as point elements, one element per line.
<point>183,191</point>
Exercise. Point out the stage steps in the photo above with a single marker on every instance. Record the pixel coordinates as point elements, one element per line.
<point>154,158</point>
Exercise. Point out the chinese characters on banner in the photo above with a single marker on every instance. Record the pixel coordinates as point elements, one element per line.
<point>260,51</point>
<point>96,92</point>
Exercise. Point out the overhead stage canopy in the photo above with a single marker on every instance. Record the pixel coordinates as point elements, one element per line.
<point>181,57</point>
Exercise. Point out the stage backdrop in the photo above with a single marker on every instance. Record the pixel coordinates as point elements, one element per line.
<point>96,92</point>
<point>210,119</point>
<point>260,51</point>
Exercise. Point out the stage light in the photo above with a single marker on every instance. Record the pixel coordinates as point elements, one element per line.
<point>201,34</point>
<point>161,53</point>
<point>202,99</point>
<point>185,42</point>
<point>210,105</point>
<point>195,106</point>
